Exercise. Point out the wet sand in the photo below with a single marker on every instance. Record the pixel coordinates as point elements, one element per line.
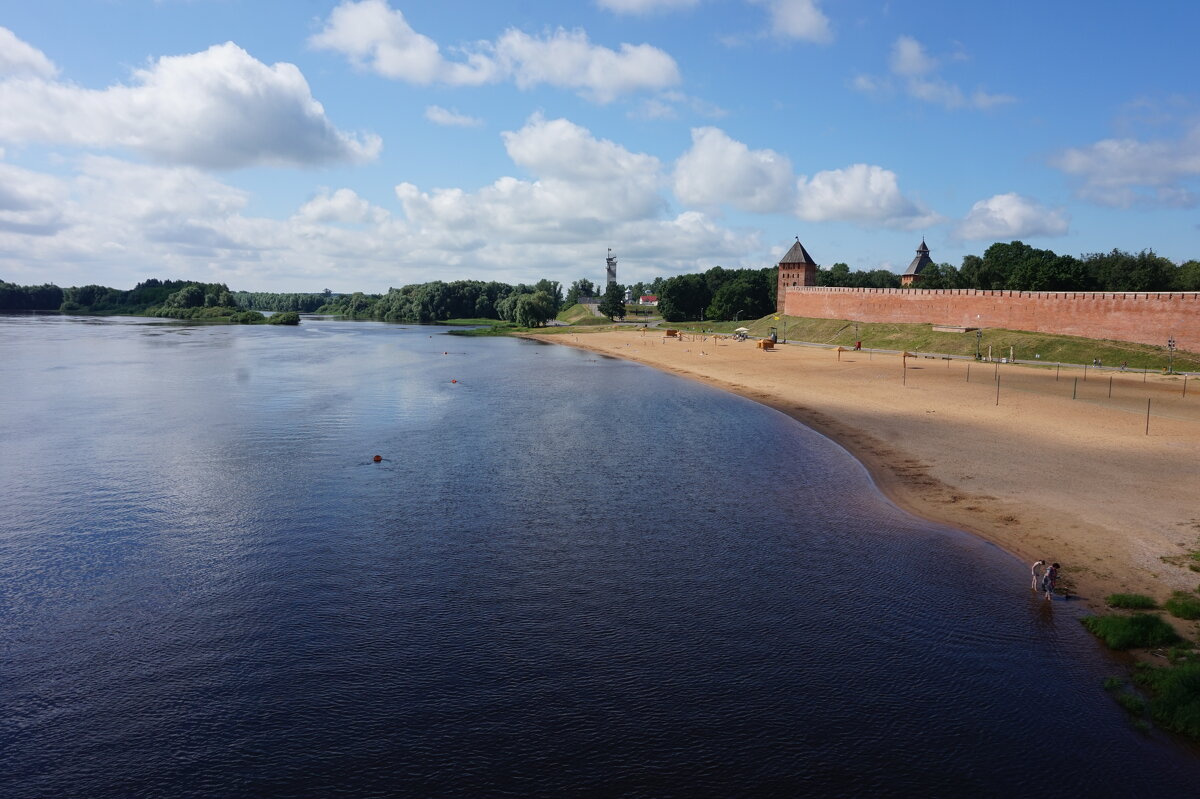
<point>1040,475</point>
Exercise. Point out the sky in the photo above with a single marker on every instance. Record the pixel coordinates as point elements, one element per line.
<point>298,145</point>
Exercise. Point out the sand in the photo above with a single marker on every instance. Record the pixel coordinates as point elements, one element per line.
<point>1039,474</point>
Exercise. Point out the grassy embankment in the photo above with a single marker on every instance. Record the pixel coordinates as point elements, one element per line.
<point>572,319</point>
<point>1173,690</point>
<point>923,338</point>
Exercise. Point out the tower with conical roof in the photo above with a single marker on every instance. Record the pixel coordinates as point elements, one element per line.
<point>912,275</point>
<point>796,268</point>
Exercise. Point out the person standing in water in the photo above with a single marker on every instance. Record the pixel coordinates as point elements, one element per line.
<point>1049,579</point>
<point>1037,578</point>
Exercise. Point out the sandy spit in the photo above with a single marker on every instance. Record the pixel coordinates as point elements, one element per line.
<point>1039,474</point>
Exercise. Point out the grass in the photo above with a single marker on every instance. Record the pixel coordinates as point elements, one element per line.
<point>1131,702</point>
<point>469,322</point>
<point>1183,605</point>
<point>922,338</point>
<point>1140,630</point>
<point>1175,695</point>
<point>1131,601</point>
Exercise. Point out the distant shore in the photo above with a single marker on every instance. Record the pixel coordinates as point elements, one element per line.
<point>1039,474</point>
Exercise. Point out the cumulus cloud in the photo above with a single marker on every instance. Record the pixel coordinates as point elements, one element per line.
<point>219,108</point>
<point>1010,216</point>
<point>343,205</point>
<point>917,72</point>
<point>861,193</point>
<point>376,37</point>
<point>441,116</point>
<point>719,170</point>
<point>116,222</point>
<point>20,58</point>
<point>30,202</point>
<point>644,6</point>
<point>798,19</point>
<point>1125,172</point>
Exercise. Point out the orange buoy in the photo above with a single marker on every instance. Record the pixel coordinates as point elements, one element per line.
<point>453,381</point>
<point>377,458</point>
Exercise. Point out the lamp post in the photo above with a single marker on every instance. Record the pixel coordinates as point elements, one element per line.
<point>736,315</point>
<point>1171,355</point>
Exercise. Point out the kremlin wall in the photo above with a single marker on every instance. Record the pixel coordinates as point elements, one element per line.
<point>1144,317</point>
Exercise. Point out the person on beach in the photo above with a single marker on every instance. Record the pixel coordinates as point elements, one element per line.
<point>1049,579</point>
<point>1037,578</point>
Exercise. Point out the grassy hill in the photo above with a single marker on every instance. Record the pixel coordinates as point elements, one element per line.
<point>922,338</point>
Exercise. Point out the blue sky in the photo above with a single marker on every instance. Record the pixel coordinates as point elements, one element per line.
<point>299,145</point>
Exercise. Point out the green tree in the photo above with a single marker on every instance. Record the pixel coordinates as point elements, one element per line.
<point>613,303</point>
<point>683,297</point>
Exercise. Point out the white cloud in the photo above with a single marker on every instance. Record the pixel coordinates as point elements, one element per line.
<point>219,108</point>
<point>20,58</point>
<point>798,19</point>
<point>1011,216</point>
<point>343,205</point>
<point>644,6</point>
<point>909,58</point>
<point>860,193</point>
<point>1124,172</point>
<point>376,37</point>
<point>917,70</point>
<point>667,105</point>
<point>116,223</point>
<point>31,203</point>
<point>719,170</point>
<point>441,116</point>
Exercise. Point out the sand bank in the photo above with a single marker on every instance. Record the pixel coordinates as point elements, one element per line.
<point>1040,474</point>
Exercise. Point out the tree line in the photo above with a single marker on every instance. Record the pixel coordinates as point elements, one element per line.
<point>716,294</point>
<point>522,304</point>
<point>1016,266</point>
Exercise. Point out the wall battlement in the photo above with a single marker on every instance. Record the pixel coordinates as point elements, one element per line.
<point>1145,317</point>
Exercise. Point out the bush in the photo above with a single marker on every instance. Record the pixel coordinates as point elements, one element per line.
<point>1131,601</point>
<point>285,318</point>
<point>1175,701</point>
<point>1130,632</point>
<point>249,318</point>
<point>1183,605</point>
<point>1131,702</point>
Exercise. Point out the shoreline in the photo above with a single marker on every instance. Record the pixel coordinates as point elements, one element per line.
<point>1037,474</point>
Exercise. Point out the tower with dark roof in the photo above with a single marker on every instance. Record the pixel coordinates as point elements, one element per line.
<point>796,268</point>
<point>912,275</point>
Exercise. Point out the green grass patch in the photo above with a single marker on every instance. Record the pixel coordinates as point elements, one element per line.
<point>575,314</point>
<point>1175,695</point>
<point>1183,605</point>
<point>922,338</point>
<point>1140,630</point>
<point>1113,684</point>
<point>493,328</point>
<point>469,322</point>
<point>1131,702</point>
<point>1130,601</point>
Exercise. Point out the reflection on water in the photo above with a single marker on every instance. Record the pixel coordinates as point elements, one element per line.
<point>568,575</point>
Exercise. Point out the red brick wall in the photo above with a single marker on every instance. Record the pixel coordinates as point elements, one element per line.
<point>1149,318</point>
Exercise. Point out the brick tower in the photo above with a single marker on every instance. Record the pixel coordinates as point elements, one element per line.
<point>797,268</point>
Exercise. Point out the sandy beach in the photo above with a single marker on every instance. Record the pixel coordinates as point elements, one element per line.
<point>1078,481</point>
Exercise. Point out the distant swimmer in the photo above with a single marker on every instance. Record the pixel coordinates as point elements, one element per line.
<point>1037,578</point>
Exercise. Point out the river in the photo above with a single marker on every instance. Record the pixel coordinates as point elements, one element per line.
<point>568,575</point>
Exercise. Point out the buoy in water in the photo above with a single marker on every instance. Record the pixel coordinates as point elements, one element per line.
<point>377,458</point>
<point>453,381</point>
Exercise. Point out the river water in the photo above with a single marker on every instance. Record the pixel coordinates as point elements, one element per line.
<point>569,575</point>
